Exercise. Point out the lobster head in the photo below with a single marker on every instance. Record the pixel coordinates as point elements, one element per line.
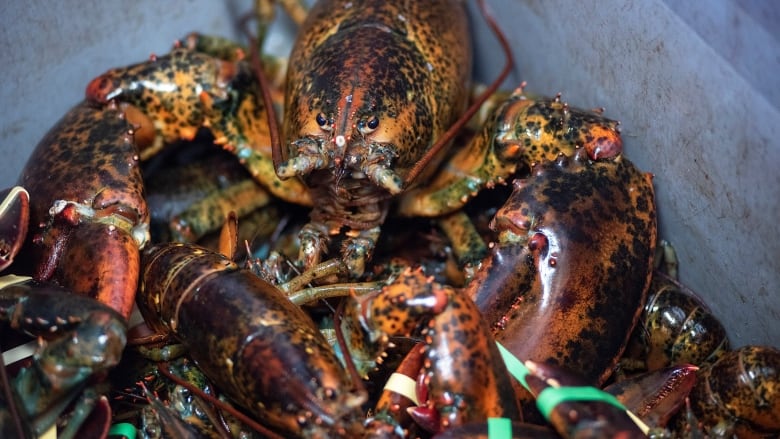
<point>364,99</point>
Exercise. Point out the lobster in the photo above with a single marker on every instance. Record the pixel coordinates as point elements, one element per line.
<point>369,91</point>
<point>84,338</point>
<point>388,59</point>
<point>275,343</point>
<point>675,326</point>
<point>739,394</point>
<point>454,334</point>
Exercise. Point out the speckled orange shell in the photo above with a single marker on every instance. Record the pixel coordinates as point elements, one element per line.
<point>184,91</point>
<point>88,156</point>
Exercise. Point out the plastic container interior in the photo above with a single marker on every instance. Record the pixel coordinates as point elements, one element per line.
<point>695,86</point>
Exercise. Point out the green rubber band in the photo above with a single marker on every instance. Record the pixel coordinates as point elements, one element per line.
<point>550,397</point>
<point>515,366</point>
<point>123,429</point>
<point>499,428</point>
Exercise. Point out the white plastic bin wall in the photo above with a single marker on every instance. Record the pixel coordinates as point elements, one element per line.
<point>695,86</point>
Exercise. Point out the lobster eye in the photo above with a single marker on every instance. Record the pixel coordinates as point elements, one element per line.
<point>321,121</point>
<point>369,126</point>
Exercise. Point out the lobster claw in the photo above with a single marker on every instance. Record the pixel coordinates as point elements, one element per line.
<point>103,262</point>
<point>95,256</point>
<point>83,224</point>
<point>14,217</point>
<point>577,416</point>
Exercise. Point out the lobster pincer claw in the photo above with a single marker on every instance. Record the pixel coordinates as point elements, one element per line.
<point>90,341</point>
<point>103,260</point>
<point>576,410</point>
<point>455,334</point>
<point>14,217</point>
<point>88,222</point>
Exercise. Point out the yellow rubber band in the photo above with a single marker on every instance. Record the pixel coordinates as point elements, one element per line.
<point>402,384</point>
<point>51,433</point>
<point>12,279</point>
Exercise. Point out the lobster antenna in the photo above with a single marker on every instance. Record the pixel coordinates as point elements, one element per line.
<point>163,368</point>
<point>257,67</point>
<point>9,396</point>
<point>472,110</point>
<point>356,378</point>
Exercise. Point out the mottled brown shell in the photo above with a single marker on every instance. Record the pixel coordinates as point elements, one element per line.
<point>88,165</point>
<point>89,156</point>
<point>406,63</point>
<point>569,279</point>
<point>466,378</point>
<point>740,394</point>
<point>260,349</point>
<point>678,328</point>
